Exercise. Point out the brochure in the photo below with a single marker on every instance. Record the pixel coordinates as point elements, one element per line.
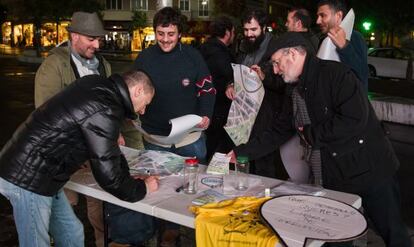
<point>219,164</point>
<point>208,196</point>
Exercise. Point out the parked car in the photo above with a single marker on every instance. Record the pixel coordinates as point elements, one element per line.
<point>390,62</point>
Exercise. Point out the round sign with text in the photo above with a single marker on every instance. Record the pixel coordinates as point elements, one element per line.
<point>298,218</point>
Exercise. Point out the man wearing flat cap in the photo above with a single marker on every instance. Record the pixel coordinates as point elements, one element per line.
<point>341,138</point>
<point>64,65</point>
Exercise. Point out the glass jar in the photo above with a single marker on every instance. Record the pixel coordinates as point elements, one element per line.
<point>191,176</point>
<point>242,173</point>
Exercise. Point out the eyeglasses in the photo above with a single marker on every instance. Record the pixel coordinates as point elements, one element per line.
<point>276,63</point>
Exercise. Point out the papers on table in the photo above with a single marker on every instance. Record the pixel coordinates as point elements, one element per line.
<point>208,196</point>
<point>150,162</point>
<point>180,128</point>
<point>219,164</point>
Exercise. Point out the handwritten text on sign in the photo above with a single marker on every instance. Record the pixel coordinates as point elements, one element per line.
<point>306,216</point>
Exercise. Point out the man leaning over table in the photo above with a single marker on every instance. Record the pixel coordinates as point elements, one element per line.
<point>341,137</point>
<point>56,140</point>
<point>64,65</point>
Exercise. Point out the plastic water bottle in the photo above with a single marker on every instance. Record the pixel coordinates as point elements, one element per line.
<point>191,176</point>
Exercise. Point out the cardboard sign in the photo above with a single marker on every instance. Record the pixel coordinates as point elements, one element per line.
<point>303,217</point>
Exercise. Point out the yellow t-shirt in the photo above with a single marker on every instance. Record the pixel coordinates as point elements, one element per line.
<point>232,223</point>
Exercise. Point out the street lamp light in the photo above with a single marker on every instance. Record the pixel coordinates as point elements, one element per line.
<point>367,25</point>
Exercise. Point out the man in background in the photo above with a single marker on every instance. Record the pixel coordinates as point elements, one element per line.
<point>351,52</point>
<point>299,20</point>
<point>253,53</point>
<point>219,57</point>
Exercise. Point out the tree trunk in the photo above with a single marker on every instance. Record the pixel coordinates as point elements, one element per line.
<point>57,30</point>
<point>12,35</point>
<point>1,34</point>
<point>38,29</point>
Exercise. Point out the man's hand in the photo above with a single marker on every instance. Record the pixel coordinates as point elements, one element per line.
<point>151,183</point>
<point>232,156</point>
<point>121,140</point>
<point>230,93</point>
<point>338,37</point>
<point>205,122</point>
<point>258,70</point>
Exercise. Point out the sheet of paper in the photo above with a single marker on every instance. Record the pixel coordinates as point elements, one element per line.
<point>244,108</point>
<point>180,128</point>
<point>219,164</point>
<point>327,50</point>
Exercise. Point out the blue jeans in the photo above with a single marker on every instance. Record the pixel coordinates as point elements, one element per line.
<point>197,149</point>
<point>36,216</point>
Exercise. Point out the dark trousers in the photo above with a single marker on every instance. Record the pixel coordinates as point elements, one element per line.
<point>127,226</point>
<point>270,165</point>
<point>382,205</point>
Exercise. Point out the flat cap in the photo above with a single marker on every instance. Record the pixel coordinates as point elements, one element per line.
<point>286,40</point>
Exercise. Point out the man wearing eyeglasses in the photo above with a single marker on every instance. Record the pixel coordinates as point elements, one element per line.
<point>342,140</point>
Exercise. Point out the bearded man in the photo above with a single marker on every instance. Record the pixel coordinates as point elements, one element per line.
<point>253,53</point>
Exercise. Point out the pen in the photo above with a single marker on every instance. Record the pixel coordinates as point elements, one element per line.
<point>179,189</point>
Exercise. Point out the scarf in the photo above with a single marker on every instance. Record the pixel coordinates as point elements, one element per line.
<point>91,64</point>
<point>301,118</point>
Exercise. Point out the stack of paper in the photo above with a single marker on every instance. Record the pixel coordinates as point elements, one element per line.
<point>219,164</point>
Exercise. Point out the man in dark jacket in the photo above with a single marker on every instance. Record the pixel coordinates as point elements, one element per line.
<point>299,20</point>
<point>253,53</point>
<point>352,52</point>
<point>80,123</point>
<point>342,139</point>
<point>218,57</point>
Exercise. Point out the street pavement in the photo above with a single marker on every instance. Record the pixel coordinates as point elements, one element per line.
<point>16,102</point>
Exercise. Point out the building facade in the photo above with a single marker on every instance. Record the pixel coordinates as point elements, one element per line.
<point>118,18</point>
<point>129,22</point>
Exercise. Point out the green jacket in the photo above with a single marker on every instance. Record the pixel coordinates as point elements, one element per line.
<point>56,73</point>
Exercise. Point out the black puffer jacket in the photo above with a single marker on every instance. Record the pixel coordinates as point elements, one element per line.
<point>80,123</point>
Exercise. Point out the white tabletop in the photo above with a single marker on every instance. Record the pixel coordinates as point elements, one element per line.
<point>172,206</point>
